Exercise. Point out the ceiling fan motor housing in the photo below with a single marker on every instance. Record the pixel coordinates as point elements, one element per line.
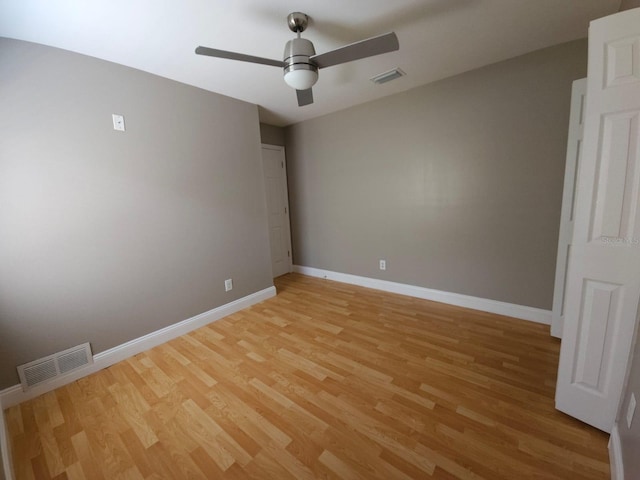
<point>299,72</point>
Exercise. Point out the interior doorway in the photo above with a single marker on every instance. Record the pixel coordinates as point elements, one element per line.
<point>275,181</point>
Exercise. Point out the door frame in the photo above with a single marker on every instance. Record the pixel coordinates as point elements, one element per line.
<point>285,186</point>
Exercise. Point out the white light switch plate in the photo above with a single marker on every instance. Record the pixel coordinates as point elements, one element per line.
<point>118,122</point>
<point>631,410</point>
<point>228,285</point>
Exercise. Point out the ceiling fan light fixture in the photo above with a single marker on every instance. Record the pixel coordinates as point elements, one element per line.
<point>299,72</point>
<point>301,76</point>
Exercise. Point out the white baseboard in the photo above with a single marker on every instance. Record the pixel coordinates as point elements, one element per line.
<point>531,314</point>
<point>615,455</point>
<point>557,325</point>
<point>15,395</point>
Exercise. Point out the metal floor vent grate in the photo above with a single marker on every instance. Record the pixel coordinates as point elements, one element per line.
<point>45,369</point>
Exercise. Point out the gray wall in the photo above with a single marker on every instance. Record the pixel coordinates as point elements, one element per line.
<point>630,437</point>
<point>106,236</point>
<point>629,4</point>
<point>272,135</point>
<point>457,184</point>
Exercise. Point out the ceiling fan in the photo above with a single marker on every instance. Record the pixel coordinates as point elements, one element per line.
<point>301,63</point>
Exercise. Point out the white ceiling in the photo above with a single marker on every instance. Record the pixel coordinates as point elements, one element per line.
<point>438,38</point>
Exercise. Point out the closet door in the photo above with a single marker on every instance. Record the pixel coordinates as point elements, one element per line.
<point>603,283</point>
<point>277,197</point>
<point>574,148</point>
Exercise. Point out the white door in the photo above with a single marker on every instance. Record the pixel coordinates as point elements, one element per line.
<point>603,286</point>
<point>275,181</point>
<point>574,147</point>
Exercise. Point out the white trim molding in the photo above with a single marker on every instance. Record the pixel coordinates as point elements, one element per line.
<point>522,312</point>
<point>5,448</point>
<point>615,454</point>
<point>15,395</point>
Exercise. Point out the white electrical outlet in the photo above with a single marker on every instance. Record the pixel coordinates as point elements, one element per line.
<point>228,285</point>
<point>631,409</point>
<point>383,264</point>
<point>118,122</point>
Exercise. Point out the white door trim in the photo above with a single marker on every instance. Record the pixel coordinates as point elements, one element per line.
<point>615,455</point>
<point>5,448</point>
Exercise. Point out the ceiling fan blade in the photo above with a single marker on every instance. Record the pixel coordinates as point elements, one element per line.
<point>305,97</point>
<point>355,51</point>
<point>213,52</point>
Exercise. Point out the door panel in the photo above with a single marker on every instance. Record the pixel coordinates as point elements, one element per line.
<point>616,202</point>
<point>600,301</point>
<point>603,282</point>
<point>574,147</point>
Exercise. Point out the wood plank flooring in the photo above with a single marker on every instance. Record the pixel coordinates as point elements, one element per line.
<point>325,380</point>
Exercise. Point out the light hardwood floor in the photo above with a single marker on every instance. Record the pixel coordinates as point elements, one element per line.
<point>325,380</point>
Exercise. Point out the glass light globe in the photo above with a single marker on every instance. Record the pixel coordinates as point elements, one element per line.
<point>301,79</point>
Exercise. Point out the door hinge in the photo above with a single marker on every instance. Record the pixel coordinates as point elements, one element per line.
<point>281,164</point>
<point>288,253</point>
<point>285,209</point>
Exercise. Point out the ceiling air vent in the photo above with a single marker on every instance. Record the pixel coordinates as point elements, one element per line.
<point>45,369</point>
<point>387,76</point>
